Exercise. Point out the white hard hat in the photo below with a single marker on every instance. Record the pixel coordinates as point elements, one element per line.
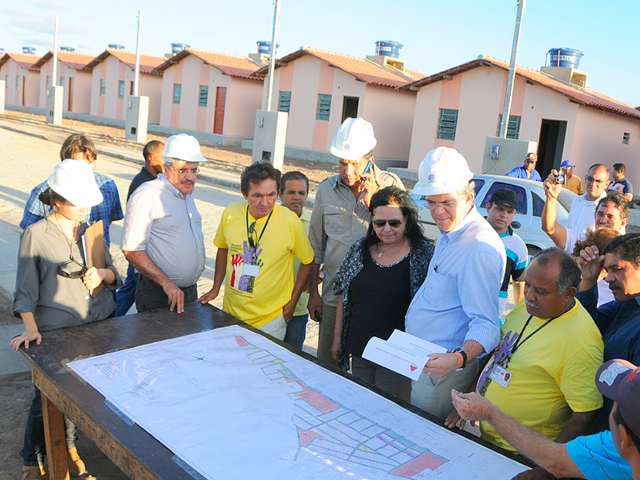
<point>354,139</point>
<point>183,148</point>
<point>443,170</point>
<point>75,181</point>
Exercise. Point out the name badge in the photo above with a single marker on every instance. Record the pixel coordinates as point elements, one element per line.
<point>251,270</point>
<point>501,375</point>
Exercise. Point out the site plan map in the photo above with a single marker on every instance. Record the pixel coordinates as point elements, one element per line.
<point>232,404</point>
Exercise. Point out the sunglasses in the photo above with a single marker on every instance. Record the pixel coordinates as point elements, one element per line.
<point>394,223</point>
<point>64,269</point>
<point>594,180</point>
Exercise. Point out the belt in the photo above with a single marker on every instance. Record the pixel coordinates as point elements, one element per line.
<point>149,281</point>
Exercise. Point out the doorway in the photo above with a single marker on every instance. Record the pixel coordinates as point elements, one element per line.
<point>350,108</point>
<point>24,90</point>
<point>70,92</point>
<point>550,145</point>
<point>218,114</point>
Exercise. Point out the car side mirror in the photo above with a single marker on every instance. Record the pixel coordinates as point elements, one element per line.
<point>515,225</point>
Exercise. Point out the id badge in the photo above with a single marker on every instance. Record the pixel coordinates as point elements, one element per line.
<point>501,375</point>
<point>251,270</point>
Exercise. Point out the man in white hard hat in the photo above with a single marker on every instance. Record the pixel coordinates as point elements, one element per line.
<point>162,235</point>
<point>457,305</point>
<point>341,216</point>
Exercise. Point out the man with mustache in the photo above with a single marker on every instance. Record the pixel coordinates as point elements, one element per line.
<point>162,234</point>
<point>618,321</point>
<point>542,373</point>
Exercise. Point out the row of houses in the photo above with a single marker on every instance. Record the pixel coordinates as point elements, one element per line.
<point>218,94</point>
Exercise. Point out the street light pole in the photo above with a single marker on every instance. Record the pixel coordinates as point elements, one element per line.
<point>512,71</point>
<point>136,71</point>
<point>272,59</point>
<point>54,70</point>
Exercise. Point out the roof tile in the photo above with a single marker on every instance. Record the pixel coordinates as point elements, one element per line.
<point>76,61</point>
<point>148,63</point>
<point>25,60</point>
<point>231,65</point>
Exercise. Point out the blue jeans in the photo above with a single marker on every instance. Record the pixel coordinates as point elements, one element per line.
<point>126,294</point>
<point>297,330</point>
<point>34,450</point>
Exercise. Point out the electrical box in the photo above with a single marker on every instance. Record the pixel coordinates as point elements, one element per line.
<point>269,137</point>
<point>137,121</point>
<point>55,97</point>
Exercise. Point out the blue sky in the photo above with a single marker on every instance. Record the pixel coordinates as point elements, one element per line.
<point>436,34</point>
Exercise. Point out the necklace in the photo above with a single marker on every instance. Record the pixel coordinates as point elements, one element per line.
<point>390,248</point>
<point>69,242</point>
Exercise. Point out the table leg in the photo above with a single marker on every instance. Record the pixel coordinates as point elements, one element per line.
<point>54,433</point>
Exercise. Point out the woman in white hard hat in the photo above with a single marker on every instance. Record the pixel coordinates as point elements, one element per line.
<point>376,281</point>
<point>54,287</point>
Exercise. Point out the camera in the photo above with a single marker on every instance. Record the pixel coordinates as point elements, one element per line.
<point>561,179</point>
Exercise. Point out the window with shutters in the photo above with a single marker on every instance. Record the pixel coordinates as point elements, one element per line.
<point>121,89</point>
<point>204,96</point>
<point>177,92</point>
<point>284,102</point>
<point>103,87</point>
<point>513,127</point>
<point>447,124</point>
<point>324,107</point>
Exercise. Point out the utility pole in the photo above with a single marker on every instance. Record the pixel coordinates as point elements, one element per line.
<point>136,71</point>
<point>54,70</point>
<point>512,71</point>
<point>272,60</point>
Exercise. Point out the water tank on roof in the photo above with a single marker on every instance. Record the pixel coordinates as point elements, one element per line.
<point>178,47</point>
<point>2,51</point>
<point>28,49</point>
<point>116,46</point>
<point>264,46</point>
<point>388,48</point>
<point>68,49</point>
<point>564,57</point>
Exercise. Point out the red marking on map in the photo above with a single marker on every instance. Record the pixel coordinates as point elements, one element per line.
<point>419,465</point>
<point>413,368</point>
<point>241,341</point>
<point>319,401</point>
<point>307,436</point>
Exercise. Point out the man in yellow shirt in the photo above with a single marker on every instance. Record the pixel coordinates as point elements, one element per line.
<point>257,241</point>
<point>573,182</point>
<point>542,373</point>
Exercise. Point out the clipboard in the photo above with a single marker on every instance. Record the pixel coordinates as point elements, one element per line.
<point>93,246</point>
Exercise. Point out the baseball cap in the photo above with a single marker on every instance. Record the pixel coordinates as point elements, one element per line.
<point>567,163</point>
<point>504,196</point>
<point>619,380</point>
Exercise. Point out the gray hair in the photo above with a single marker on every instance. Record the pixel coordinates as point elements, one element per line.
<point>469,188</point>
<point>570,275</point>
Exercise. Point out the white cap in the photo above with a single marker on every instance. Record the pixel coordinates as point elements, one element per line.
<point>354,139</point>
<point>75,181</point>
<point>443,170</point>
<point>183,148</point>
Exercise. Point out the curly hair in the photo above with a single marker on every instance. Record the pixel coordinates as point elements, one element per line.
<point>599,237</point>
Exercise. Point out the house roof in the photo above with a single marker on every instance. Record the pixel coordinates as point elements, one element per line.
<point>148,63</point>
<point>583,96</point>
<point>364,70</point>
<point>73,60</point>
<point>231,65</point>
<point>25,60</point>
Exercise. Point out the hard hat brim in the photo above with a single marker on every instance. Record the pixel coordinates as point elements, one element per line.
<point>427,190</point>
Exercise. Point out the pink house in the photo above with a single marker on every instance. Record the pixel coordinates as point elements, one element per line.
<point>112,77</point>
<point>461,106</point>
<point>22,80</point>
<point>76,82</point>
<point>210,92</point>
<point>320,89</point>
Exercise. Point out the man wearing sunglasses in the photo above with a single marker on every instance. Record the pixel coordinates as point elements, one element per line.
<point>257,241</point>
<point>583,207</point>
<point>162,234</point>
<point>528,170</point>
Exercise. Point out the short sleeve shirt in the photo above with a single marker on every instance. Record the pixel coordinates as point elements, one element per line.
<point>597,458</point>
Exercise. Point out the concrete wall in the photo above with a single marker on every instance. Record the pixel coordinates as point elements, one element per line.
<point>243,100</point>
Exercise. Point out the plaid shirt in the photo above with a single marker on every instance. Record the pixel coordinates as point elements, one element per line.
<point>108,211</point>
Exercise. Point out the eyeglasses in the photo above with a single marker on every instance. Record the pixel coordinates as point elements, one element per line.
<point>528,160</point>
<point>252,232</point>
<point>393,223</point>
<point>449,204</point>
<point>64,269</point>
<point>593,180</point>
<point>184,171</point>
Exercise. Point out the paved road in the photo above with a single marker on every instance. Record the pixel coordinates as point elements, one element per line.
<point>27,160</point>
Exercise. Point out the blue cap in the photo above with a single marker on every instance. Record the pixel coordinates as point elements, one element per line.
<point>567,163</point>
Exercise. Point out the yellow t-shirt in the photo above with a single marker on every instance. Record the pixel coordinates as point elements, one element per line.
<point>301,307</point>
<point>259,299</point>
<point>552,373</point>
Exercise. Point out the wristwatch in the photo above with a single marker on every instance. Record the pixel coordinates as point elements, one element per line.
<point>463,354</point>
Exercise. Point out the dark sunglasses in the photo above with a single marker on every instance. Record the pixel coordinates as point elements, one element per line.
<point>392,223</point>
<point>64,269</point>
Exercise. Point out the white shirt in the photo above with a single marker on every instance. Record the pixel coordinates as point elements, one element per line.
<point>583,211</point>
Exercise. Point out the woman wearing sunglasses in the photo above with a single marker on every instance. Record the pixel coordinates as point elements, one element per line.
<point>376,282</point>
<point>54,287</point>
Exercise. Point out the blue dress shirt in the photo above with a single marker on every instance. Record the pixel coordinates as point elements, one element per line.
<point>521,172</point>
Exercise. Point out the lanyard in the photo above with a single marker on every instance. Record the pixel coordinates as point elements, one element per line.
<point>520,342</point>
<point>251,229</point>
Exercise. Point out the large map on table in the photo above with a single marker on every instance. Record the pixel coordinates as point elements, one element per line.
<point>231,404</point>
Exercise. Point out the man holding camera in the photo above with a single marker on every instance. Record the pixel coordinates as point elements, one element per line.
<point>584,206</point>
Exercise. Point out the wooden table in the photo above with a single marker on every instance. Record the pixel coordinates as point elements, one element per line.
<point>132,449</point>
